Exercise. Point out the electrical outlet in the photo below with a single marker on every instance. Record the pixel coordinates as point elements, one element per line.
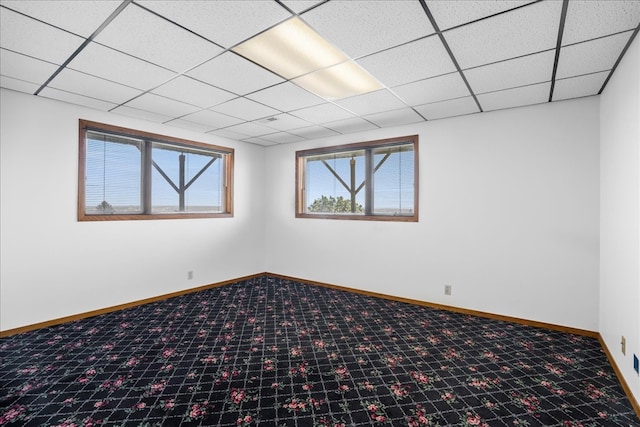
<point>189,275</point>
<point>623,345</point>
<point>447,289</point>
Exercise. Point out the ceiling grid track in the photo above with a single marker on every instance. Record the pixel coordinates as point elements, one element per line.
<point>455,27</point>
<point>624,50</point>
<point>563,18</point>
<point>84,44</point>
<point>448,49</point>
<point>175,62</point>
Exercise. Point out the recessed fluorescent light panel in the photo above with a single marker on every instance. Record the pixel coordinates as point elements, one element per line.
<point>296,52</point>
<point>340,81</point>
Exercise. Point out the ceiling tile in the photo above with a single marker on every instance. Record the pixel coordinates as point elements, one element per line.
<point>212,119</point>
<point>161,105</point>
<point>185,124</point>
<point>250,129</point>
<point>401,117</point>
<point>80,17</point>
<point>245,109</point>
<point>434,89</point>
<point>194,92</point>
<point>322,114</point>
<point>144,35</point>
<point>140,114</point>
<point>73,98</point>
<point>355,124</point>
<point>518,32</point>
<point>450,108</point>
<point>228,134</point>
<point>286,97</point>
<point>373,102</point>
<point>218,21</point>
<point>407,63</point>
<point>25,68</point>
<point>235,74</point>
<point>363,27</point>
<point>94,87</point>
<point>284,122</point>
<point>112,65</point>
<point>313,132</point>
<point>299,6</point>
<point>18,85</point>
<point>590,19</point>
<point>33,38</point>
<point>521,71</point>
<point>282,138</point>
<point>575,87</point>
<point>591,56</point>
<point>527,95</point>
<point>449,13</point>
<point>137,60</point>
<point>259,141</point>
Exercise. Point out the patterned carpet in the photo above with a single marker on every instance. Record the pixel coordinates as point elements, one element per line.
<point>272,352</point>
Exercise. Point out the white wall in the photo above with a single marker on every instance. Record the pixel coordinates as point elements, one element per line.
<point>508,216</point>
<point>54,266</point>
<point>620,214</point>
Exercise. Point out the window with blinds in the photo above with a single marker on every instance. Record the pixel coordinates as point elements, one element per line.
<point>129,174</point>
<point>375,180</point>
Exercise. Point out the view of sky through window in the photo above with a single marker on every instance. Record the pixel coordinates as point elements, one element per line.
<point>393,180</point>
<point>113,177</point>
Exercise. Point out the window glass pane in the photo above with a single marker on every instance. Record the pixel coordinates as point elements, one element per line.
<point>113,175</point>
<point>393,180</point>
<point>127,174</point>
<point>325,193</point>
<point>379,176</point>
<point>206,175</point>
<point>186,181</point>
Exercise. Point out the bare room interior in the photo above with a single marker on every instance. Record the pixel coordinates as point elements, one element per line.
<point>526,117</point>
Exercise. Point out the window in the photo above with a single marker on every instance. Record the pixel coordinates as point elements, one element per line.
<point>127,174</point>
<point>375,180</point>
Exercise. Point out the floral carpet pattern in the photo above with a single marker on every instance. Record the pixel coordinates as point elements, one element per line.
<point>272,352</point>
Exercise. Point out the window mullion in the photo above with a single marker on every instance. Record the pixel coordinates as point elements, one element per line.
<point>368,187</point>
<point>181,172</point>
<point>227,172</point>
<point>147,166</point>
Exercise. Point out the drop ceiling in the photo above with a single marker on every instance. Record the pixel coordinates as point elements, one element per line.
<point>172,61</point>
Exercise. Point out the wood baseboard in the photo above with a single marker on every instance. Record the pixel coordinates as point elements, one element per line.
<point>567,329</point>
<point>85,315</point>
<point>576,331</point>
<point>583,332</point>
<point>623,383</point>
<point>79,316</point>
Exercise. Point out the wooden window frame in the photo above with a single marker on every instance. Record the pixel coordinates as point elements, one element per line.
<point>147,137</point>
<point>300,179</point>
